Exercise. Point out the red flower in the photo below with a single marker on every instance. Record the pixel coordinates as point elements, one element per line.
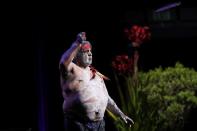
<point>123,64</point>
<point>138,34</point>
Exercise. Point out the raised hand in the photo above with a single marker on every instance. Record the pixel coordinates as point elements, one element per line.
<point>81,37</point>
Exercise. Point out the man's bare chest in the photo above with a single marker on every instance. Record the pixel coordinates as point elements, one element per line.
<point>82,81</point>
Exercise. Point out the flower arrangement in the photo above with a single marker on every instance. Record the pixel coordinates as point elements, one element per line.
<point>126,69</point>
<point>159,99</point>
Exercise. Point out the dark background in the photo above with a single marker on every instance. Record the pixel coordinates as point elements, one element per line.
<point>35,36</point>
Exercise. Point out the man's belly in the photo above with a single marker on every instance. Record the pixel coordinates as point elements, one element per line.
<point>93,107</point>
<point>95,111</point>
<point>89,100</point>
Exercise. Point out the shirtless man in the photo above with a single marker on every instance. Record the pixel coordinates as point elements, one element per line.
<point>84,91</point>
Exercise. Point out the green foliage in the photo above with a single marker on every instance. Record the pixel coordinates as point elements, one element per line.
<point>158,100</point>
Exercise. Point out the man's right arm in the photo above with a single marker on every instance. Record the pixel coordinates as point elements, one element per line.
<point>69,55</point>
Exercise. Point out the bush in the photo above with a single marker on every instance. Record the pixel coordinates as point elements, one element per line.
<point>158,100</point>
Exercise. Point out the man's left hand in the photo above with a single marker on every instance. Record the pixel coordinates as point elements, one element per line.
<point>127,120</point>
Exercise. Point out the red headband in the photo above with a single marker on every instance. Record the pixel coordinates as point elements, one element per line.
<point>86,46</point>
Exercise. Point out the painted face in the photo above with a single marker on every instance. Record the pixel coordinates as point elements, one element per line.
<point>85,55</point>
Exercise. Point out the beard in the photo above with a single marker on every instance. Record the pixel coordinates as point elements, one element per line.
<point>86,62</point>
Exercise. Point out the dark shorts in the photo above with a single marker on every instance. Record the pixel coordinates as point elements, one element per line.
<point>71,124</point>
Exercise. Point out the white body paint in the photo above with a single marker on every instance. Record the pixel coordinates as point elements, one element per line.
<point>88,95</point>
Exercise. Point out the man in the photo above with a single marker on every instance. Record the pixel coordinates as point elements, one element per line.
<point>85,95</point>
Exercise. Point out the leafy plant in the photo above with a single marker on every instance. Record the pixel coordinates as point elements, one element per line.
<point>158,100</point>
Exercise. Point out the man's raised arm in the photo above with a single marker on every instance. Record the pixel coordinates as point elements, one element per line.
<point>68,55</point>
